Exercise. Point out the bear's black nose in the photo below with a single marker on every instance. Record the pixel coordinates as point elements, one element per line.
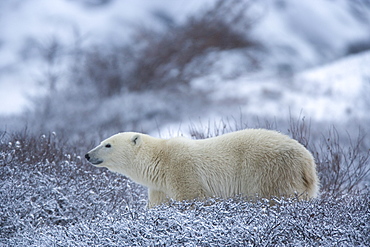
<point>87,156</point>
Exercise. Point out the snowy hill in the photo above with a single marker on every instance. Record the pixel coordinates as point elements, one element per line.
<point>337,93</point>
<point>332,92</point>
<point>297,71</point>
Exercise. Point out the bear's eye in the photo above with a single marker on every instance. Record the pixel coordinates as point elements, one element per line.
<point>108,146</point>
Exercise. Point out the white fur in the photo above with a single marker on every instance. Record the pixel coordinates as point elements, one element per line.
<point>248,162</point>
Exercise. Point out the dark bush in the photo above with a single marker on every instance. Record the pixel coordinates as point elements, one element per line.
<point>165,56</point>
<point>160,59</point>
<point>106,70</point>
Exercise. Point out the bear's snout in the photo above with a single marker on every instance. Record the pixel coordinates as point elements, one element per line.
<point>93,160</point>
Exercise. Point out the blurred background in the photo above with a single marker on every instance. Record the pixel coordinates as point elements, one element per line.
<point>156,66</point>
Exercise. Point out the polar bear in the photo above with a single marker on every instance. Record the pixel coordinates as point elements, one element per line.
<point>248,162</point>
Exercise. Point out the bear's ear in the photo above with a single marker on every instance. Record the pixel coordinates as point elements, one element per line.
<point>136,139</point>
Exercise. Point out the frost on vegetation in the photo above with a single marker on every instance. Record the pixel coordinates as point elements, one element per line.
<point>56,198</point>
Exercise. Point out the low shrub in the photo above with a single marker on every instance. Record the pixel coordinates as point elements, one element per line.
<point>50,196</point>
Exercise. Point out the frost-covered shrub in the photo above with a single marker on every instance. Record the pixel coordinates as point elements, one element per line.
<point>342,168</point>
<point>343,161</point>
<point>51,197</point>
<point>44,182</point>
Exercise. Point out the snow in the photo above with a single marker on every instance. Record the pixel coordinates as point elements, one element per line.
<point>308,33</point>
<point>25,23</point>
<point>341,89</point>
<point>335,92</point>
<point>12,99</point>
<point>298,34</point>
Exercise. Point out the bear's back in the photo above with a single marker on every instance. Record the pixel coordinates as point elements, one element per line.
<point>251,161</point>
<point>249,141</point>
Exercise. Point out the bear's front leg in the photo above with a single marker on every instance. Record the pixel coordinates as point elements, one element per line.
<point>156,198</point>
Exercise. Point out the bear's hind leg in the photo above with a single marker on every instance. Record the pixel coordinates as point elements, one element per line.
<point>156,198</point>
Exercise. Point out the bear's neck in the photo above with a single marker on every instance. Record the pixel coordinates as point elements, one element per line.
<point>152,173</point>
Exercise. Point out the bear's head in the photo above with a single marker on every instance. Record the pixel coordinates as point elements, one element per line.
<point>117,153</point>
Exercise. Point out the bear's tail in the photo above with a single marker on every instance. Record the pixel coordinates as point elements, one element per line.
<point>310,180</point>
